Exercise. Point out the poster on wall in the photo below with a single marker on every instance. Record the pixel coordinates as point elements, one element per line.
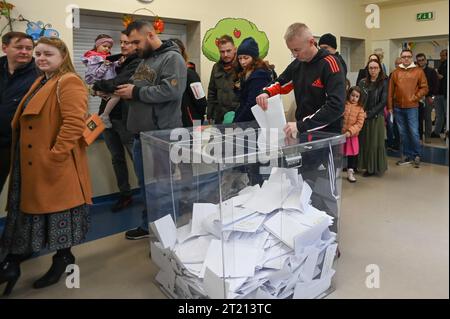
<point>238,29</point>
<point>408,45</point>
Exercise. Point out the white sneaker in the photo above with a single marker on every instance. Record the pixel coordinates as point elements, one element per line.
<point>351,175</point>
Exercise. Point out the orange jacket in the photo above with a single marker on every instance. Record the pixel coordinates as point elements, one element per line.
<point>406,87</point>
<point>53,160</point>
<point>354,116</point>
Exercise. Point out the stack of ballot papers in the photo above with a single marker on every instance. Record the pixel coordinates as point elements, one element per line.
<point>266,242</point>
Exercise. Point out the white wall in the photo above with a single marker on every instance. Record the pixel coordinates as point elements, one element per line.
<point>398,21</point>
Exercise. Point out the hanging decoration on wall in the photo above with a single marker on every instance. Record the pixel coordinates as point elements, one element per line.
<point>6,9</point>
<point>238,29</point>
<point>409,45</point>
<point>158,23</point>
<point>38,29</point>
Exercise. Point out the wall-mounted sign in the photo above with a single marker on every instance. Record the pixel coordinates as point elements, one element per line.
<point>425,16</point>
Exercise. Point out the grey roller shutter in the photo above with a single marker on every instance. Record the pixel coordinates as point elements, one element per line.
<point>93,24</point>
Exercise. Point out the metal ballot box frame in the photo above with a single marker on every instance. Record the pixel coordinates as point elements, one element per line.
<point>239,212</point>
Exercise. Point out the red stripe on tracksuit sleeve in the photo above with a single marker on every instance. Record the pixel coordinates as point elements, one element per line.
<point>273,89</point>
<point>276,88</point>
<point>288,87</point>
<point>333,64</point>
<point>330,64</point>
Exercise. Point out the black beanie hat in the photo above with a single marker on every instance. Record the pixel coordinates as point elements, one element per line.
<point>248,47</point>
<point>328,39</point>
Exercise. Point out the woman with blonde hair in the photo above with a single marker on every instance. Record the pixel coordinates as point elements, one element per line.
<point>49,188</point>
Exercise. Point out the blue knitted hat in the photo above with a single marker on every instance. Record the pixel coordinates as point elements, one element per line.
<point>248,47</point>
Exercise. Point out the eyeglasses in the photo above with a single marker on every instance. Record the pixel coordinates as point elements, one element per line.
<point>407,57</point>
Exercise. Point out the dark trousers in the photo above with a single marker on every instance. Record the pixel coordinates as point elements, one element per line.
<point>5,162</point>
<point>352,162</point>
<point>393,136</point>
<point>421,119</point>
<point>119,140</point>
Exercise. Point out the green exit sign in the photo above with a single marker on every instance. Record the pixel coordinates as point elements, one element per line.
<point>425,16</point>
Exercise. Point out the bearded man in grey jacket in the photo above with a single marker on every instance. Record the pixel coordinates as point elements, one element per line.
<point>155,96</point>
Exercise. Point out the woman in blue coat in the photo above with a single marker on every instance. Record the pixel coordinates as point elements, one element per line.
<point>254,74</point>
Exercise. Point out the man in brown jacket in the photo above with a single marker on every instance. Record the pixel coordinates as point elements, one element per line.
<point>408,84</point>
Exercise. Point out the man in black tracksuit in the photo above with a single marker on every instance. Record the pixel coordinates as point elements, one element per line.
<point>318,81</point>
<point>319,88</point>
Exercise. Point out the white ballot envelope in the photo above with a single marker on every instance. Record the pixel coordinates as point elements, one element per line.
<point>198,91</point>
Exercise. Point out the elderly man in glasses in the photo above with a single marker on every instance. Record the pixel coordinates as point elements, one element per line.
<point>407,86</point>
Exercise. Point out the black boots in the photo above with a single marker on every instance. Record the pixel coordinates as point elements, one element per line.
<point>61,260</point>
<point>10,272</point>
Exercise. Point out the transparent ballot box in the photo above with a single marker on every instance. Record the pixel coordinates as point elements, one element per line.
<point>237,212</point>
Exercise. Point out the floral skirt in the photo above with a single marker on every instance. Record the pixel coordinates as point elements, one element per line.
<point>28,233</point>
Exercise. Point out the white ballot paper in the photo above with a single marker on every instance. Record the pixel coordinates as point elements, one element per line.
<point>197,89</point>
<point>215,287</point>
<point>240,259</point>
<point>165,230</point>
<point>307,273</point>
<point>314,288</point>
<point>184,233</point>
<point>200,212</point>
<point>328,260</point>
<point>193,251</point>
<point>160,256</point>
<point>285,227</point>
<point>305,197</point>
<point>270,197</point>
<point>273,117</point>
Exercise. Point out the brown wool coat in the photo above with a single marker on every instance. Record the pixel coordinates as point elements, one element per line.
<point>354,116</point>
<point>53,159</point>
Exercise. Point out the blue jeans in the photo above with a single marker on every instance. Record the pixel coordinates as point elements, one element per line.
<point>139,170</point>
<point>440,105</point>
<point>408,127</point>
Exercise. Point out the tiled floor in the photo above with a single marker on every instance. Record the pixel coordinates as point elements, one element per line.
<point>398,222</point>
